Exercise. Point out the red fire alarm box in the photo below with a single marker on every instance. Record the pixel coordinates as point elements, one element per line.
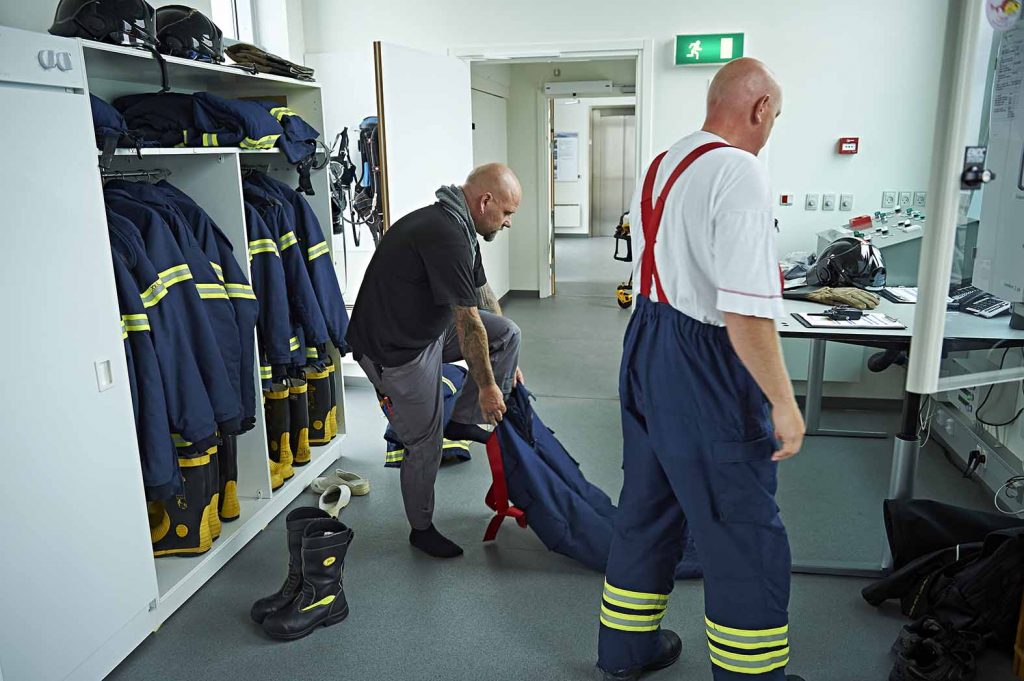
<point>848,145</point>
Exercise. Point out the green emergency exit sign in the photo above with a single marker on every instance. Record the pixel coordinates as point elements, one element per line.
<point>708,48</point>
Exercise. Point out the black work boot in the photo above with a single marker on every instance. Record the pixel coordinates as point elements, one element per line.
<point>931,661</point>
<point>295,523</point>
<point>229,508</point>
<point>278,417</point>
<point>669,649</point>
<point>298,405</point>
<point>321,602</point>
<point>318,404</point>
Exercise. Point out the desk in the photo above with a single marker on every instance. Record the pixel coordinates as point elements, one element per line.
<point>963,332</point>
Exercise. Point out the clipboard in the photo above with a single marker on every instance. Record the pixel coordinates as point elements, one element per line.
<point>869,320</point>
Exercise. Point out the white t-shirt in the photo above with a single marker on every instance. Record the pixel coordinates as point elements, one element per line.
<point>715,250</point>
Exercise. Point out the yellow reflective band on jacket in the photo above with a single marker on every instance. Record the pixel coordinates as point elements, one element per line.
<point>312,353</point>
<point>124,331</point>
<point>293,344</point>
<point>169,277</point>
<point>258,246</point>
<point>395,457</point>
<point>240,291</point>
<point>280,112</point>
<point>135,322</point>
<point>210,139</point>
<point>265,372</point>
<point>265,142</point>
<point>211,291</point>
<point>455,444</point>
<point>318,250</point>
<point>179,441</point>
<point>219,270</point>
<point>287,240</point>
<point>448,384</point>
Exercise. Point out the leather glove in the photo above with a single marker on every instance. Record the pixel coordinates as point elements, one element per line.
<point>846,295</point>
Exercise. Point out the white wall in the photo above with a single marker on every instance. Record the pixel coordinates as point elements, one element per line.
<point>37,15</point>
<point>869,69</point>
<point>576,118</point>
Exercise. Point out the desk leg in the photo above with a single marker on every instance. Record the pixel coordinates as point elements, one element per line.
<point>815,387</point>
<point>906,451</point>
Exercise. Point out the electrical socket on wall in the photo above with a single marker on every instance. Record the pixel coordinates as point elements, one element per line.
<point>828,201</point>
<point>888,200</point>
<point>906,200</point>
<point>811,202</point>
<point>846,202</point>
<point>920,198</point>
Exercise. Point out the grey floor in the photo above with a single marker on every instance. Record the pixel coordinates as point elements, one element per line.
<point>511,610</point>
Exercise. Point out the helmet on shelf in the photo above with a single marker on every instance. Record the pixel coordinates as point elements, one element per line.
<point>120,22</point>
<point>187,32</point>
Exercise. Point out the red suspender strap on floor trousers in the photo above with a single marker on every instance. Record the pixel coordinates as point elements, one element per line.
<point>497,495</point>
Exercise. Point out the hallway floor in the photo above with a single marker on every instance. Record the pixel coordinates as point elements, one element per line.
<point>511,610</point>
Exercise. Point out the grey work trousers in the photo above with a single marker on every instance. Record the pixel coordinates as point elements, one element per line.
<point>414,390</point>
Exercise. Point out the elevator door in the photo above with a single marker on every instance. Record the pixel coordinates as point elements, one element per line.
<point>613,166</point>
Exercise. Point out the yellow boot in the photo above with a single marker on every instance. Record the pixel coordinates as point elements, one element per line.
<point>298,405</point>
<point>278,418</point>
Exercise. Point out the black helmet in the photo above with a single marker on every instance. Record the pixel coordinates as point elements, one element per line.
<point>849,261</point>
<point>186,32</point>
<point>121,22</point>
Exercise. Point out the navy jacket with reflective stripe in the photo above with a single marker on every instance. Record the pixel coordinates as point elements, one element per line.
<point>164,118</point>
<point>234,123</point>
<point>280,218</point>
<point>299,139</point>
<point>217,248</point>
<point>189,412</point>
<point>160,474</point>
<point>167,256</point>
<point>268,281</point>
<point>319,263</point>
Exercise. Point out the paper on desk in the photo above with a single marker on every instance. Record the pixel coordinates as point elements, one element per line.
<point>868,320</point>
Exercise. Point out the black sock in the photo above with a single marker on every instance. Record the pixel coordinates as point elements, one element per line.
<point>434,543</point>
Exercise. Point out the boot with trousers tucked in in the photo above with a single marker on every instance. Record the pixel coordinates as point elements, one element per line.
<point>278,417</point>
<point>180,526</point>
<point>227,459</point>
<point>298,405</point>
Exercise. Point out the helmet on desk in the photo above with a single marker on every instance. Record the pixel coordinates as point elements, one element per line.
<point>849,261</point>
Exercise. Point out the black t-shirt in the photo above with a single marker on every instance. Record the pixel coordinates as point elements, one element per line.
<point>426,263</point>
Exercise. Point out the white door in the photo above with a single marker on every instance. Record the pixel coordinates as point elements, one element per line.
<point>77,561</point>
<point>490,145</point>
<point>426,124</point>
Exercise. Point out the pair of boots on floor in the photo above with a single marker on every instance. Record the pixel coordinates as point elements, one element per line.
<point>300,412</point>
<point>188,524</point>
<point>312,594</point>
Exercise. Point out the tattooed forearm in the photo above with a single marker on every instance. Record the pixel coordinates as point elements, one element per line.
<point>473,341</point>
<point>489,301</point>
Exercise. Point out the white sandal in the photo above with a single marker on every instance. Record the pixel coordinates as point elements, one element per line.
<point>359,486</point>
<point>335,498</point>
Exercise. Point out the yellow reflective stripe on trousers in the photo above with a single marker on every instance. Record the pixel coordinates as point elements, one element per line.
<point>648,600</point>
<point>287,240</point>
<point>219,270</point>
<point>211,291</point>
<point>240,291</point>
<point>265,142</point>
<point>293,343</point>
<point>622,622</point>
<point>210,139</point>
<point>316,251</point>
<point>448,384</point>
<point>184,138</point>
<point>455,444</point>
<point>262,246</point>
<point>760,663</point>
<point>732,636</point>
<point>395,456</point>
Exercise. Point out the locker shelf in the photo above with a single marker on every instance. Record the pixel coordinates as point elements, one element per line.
<point>179,577</point>
<point>187,151</point>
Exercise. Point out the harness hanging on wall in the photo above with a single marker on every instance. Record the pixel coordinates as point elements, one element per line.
<point>358,198</point>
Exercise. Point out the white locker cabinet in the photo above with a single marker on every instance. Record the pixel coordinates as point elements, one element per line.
<point>78,575</point>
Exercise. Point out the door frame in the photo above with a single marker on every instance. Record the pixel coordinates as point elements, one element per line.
<point>640,49</point>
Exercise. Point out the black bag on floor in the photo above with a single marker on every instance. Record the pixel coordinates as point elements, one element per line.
<point>971,586</point>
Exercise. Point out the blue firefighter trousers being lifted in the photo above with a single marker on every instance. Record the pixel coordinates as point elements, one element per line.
<point>697,450</point>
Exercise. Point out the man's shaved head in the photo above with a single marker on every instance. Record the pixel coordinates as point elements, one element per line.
<point>743,101</point>
<point>492,193</point>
